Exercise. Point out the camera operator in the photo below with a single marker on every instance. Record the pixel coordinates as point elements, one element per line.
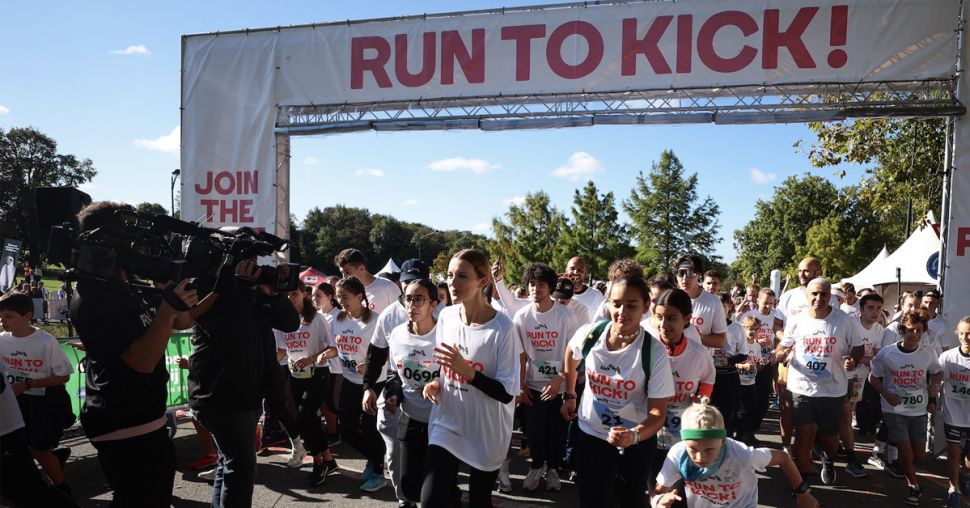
<point>233,366</point>
<point>125,333</point>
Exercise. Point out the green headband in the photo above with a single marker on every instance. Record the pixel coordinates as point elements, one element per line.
<point>703,434</point>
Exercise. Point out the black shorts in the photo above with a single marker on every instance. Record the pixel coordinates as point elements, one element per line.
<point>956,434</point>
<point>44,421</point>
<point>826,412</point>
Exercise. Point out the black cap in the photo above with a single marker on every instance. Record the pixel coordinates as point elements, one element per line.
<point>414,269</point>
<point>563,290</point>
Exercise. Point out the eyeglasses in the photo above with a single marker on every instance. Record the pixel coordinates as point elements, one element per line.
<point>686,273</point>
<point>416,301</point>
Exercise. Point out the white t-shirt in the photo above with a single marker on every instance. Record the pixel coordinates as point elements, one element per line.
<point>474,427</point>
<point>692,367</point>
<point>736,344</point>
<point>308,340</point>
<point>591,299</point>
<point>766,334</point>
<point>10,417</point>
<point>817,368</point>
<point>582,312</point>
<point>851,310</point>
<point>614,392</point>
<point>955,393</point>
<point>754,352</point>
<point>351,338</point>
<point>35,356</point>
<point>508,303</point>
<point>649,325</point>
<point>413,358</point>
<point>927,340</point>
<point>734,483</point>
<point>708,314</point>
<point>872,340</point>
<point>944,334</point>
<point>795,301</point>
<point>333,363</point>
<point>381,293</point>
<point>905,375</point>
<point>544,337</point>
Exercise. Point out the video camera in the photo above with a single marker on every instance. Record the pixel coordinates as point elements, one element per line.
<point>161,248</point>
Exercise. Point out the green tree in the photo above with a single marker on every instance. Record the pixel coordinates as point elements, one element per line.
<point>28,160</point>
<point>153,208</point>
<point>770,240</point>
<point>529,233</point>
<point>326,232</point>
<point>667,216</point>
<point>391,238</point>
<point>595,232</point>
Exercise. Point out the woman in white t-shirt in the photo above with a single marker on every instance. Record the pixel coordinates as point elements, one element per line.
<point>719,472</point>
<point>325,300</point>
<point>352,330</point>
<point>471,421</point>
<point>307,350</point>
<point>624,405</point>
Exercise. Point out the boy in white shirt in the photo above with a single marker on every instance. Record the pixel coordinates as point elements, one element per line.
<point>955,363</point>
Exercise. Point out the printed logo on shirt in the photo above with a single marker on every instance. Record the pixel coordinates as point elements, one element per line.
<point>697,321</point>
<point>296,340</point>
<point>24,365</point>
<point>603,385</point>
<point>715,490</point>
<point>456,381</point>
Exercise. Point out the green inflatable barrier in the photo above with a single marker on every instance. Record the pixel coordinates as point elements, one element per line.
<point>179,346</point>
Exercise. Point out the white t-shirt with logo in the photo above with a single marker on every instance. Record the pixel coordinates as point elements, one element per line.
<point>795,301</point>
<point>872,341</point>
<point>615,394</point>
<point>582,313</point>
<point>544,337</point>
<point>10,417</point>
<point>817,368</point>
<point>753,352</point>
<point>591,299</point>
<point>708,314</point>
<point>736,344</point>
<point>734,483</point>
<point>308,340</point>
<point>955,392</point>
<point>766,334</point>
<point>905,374</point>
<point>691,368</point>
<point>412,356</point>
<point>927,340</point>
<point>36,356</point>
<point>333,363</point>
<point>381,294</point>
<point>474,427</point>
<point>351,337</point>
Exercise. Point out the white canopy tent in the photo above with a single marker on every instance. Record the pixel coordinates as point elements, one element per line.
<point>390,267</point>
<point>913,259</point>
<point>871,270</point>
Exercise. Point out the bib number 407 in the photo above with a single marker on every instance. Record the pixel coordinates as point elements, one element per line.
<point>815,365</point>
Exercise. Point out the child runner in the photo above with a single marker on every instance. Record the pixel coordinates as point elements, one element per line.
<point>956,411</point>
<point>718,471</point>
<point>755,361</point>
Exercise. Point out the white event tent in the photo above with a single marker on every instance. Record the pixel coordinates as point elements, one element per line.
<point>913,260</point>
<point>390,267</point>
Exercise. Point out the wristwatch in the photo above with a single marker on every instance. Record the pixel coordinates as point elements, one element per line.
<point>802,488</point>
<point>569,396</point>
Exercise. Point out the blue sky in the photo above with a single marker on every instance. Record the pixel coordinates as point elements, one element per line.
<point>102,78</point>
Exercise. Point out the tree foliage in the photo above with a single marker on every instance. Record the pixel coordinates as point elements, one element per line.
<point>667,216</point>
<point>529,233</point>
<point>28,160</point>
<point>154,208</point>
<point>595,232</point>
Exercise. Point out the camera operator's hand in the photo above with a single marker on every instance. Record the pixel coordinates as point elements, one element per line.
<point>248,270</point>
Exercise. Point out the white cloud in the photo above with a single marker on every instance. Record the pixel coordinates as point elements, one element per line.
<point>4,111</point>
<point>87,186</point>
<point>311,161</point>
<point>167,143</point>
<point>475,166</point>
<point>482,228</point>
<point>759,176</point>
<point>139,49</point>
<point>515,200</point>
<point>579,165</point>
<point>369,172</point>
<point>409,202</point>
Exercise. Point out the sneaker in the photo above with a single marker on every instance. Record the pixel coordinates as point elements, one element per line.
<point>62,455</point>
<point>209,476</point>
<point>965,485</point>
<point>552,480</point>
<point>573,476</point>
<point>406,504</point>
<point>893,469</point>
<point>842,453</point>
<point>296,456</point>
<point>373,482</point>
<point>856,470</point>
<point>877,462</point>
<point>330,466</point>
<point>828,472</point>
<point>205,462</point>
<point>952,500</point>
<point>504,482</point>
<point>531,481</point>
<point>774,405</point>
<point>914,494</point>
<point>319,474</point>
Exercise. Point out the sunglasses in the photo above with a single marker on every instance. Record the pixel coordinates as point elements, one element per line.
<point>685,273</point>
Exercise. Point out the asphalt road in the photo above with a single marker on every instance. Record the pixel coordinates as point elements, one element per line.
<point>277,486</point>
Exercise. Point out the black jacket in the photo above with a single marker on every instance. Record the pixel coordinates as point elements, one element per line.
<point>235,350</point>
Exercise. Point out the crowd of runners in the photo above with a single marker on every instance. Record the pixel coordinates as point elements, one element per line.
<point>650,390</point>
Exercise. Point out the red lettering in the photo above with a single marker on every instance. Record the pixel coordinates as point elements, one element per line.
<point>648,46</point>
<point>401,71</point>
<point>705,41</point>
<point>594,56</point>
<point>523,35</point>
<point>359,64</point>
<point>222,186</point>
<point>774,38</point>
<point>453,50</point>
<point>208,184</point>
<point>963,241</point>
<point>685,43</point>
<point>249,182</point>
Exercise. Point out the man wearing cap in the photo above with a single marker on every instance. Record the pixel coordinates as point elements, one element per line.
<point>821,344</point>
<point>385,404</point>
<point>708,313</point>
<point>577,271</point>
<point>563,293</point>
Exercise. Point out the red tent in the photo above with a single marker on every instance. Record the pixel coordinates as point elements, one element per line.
<point>311,276</point>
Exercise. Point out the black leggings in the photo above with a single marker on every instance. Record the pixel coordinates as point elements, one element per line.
<point>21,482</point>
<point>727,388</point>
<point>748,412</point>
<point>763,385</point>
<point>868,411</point>
<point>308,394</point>
<point>545,429</point>
<point>414,447</point>
<point>359,429</point>
<point>608,479</point>
<point>440,488</point>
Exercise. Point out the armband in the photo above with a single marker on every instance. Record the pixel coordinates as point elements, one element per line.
<point>802,488</point>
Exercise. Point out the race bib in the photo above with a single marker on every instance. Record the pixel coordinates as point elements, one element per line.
<point>817,368</point>
<point>673,418</point>
<point>608,418</point>
<point>300,373</point>
<point>543,369</point>
<point>417,373</point>
<point>915,400</point>
<point>855,387</point>
<point>347,361</point>
<point>959,390</point>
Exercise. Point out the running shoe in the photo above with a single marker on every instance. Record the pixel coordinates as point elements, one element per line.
<point>552,480</point>
<point>208,460</point>
<point>531,481</point>
<point>855,469</point>
<point>877,462</point>
<point>842,453</point>
<point>915,493</point>
<point>893,469</point>
<point>296,456</point>
<point>373,482</point>
<point>504,482</point>
<point>319,474</point>
<point>828,472</point>
<point>208,476</point>
<point>952,500</point>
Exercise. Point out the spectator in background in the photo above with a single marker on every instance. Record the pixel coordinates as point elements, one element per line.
<point>8,274</point>
<point>712,281</point>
